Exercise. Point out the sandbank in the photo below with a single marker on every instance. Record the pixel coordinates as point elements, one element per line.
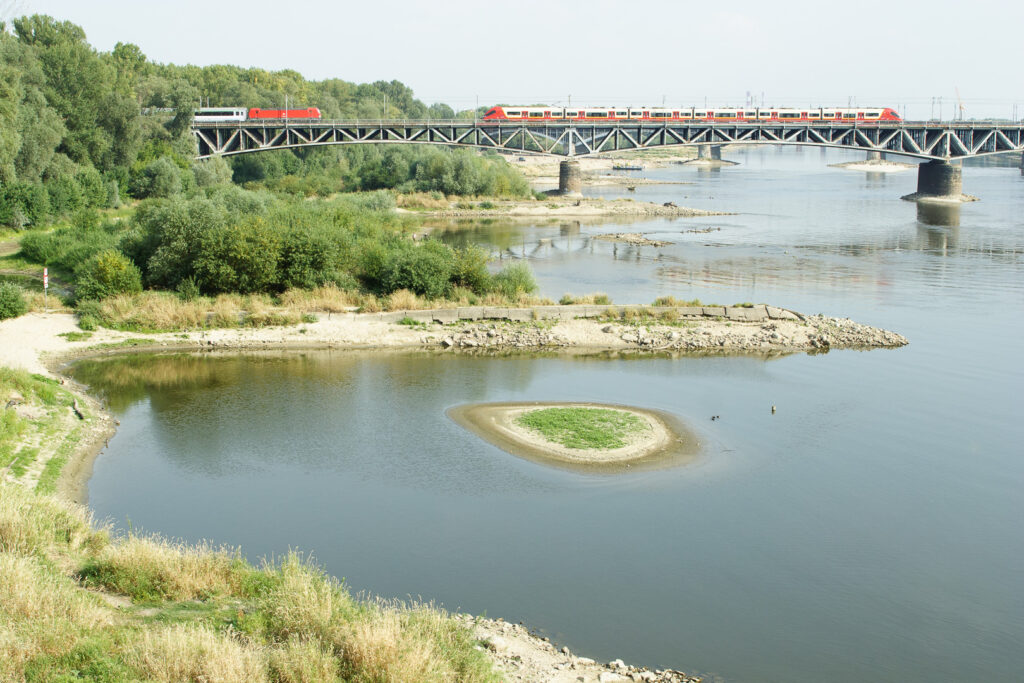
<point>664,441</point>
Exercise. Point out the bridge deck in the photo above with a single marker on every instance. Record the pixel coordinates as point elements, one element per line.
<point>923,140</point>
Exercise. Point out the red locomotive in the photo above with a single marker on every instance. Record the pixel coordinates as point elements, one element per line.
<point>719,115</point>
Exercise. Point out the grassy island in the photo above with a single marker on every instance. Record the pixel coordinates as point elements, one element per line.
<point>584,427</point>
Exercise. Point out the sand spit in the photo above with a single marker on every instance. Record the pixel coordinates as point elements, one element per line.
<point>558,207</point>
<point>875,166</point>
<point>664,441</point>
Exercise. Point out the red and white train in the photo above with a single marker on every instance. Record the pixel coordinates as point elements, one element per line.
<point>662,114</point>
<point>227,114</point>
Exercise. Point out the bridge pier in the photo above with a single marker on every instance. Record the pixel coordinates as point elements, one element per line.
<point>710,156</point>
<point>570,178</point>
<point>940,181</point>
<point>710,152</point>
<point>875,156</point>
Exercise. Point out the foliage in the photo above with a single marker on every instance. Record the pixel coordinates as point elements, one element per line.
<point>106,274</point>
<point>514,280</point>
<point>12,301</point>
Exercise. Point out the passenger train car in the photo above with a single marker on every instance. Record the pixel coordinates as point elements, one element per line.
<point>229,114</point>
<point>725,115</point>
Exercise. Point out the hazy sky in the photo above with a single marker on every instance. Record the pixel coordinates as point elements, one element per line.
<point>892,53</point>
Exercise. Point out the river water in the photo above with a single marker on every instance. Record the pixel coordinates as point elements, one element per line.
<point>870,529</point>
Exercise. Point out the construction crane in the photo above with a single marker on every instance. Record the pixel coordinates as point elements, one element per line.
<point>959,102</point>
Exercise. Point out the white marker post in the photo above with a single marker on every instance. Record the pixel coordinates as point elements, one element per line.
<point>46,286</point>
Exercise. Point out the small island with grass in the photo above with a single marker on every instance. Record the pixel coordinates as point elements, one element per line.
<point>584,436</point>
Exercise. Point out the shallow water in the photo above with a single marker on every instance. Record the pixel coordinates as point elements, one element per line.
<point>871,528</point>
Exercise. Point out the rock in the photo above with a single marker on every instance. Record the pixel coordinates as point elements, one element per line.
<point>607,329</point>
<point>609,677</point>
<point>616,664</point>
<point>447,342</point>
<point>565,650</point>
<point>497,644</point>
<point>584,660</point>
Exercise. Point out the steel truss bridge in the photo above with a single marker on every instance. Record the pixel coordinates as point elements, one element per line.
<point>946,141</point>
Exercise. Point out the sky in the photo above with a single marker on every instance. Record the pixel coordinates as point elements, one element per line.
<point>868,53</point>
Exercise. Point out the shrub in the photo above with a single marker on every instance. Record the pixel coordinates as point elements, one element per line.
<point>12,301</point>
<point>106,274</point>
<point>425,270</point>
<point>515,280</point>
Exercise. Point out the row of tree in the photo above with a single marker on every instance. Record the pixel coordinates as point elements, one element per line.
<point>74,135</point>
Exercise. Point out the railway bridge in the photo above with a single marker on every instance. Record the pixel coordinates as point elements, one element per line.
<point>940,145</point>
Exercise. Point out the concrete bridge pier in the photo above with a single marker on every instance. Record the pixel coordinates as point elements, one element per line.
<point>710,152</point>
<point>939,180</point>
<point>570,179</point>
<point>876,156</point>
<point>710,156</point>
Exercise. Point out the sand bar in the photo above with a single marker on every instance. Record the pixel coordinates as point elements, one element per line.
<point>665,440</point>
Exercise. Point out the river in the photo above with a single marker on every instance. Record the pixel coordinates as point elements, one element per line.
<point>869,529</point>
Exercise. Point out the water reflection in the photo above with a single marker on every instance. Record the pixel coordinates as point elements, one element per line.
<point>933,213</point>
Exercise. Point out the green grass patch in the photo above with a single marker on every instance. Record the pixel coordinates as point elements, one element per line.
<point>75,336</point>
<point>583,428</point>
<point>126,344</point>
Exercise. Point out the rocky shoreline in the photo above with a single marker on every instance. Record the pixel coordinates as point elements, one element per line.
<point>522,656</point>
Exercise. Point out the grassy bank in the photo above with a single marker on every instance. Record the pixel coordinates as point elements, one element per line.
<point>583,428</point>
<point>77,603</point>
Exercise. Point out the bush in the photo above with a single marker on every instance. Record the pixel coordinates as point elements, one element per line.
<point>515,280</point>
<point>106,274</point>
<point>424,270</point>
<point>12,301</point>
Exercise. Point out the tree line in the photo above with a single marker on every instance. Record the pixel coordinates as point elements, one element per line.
<point>73,134</point>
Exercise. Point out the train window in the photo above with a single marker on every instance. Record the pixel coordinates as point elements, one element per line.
<point>725,114</point>
<point>813,115</point>
<point>621,114</point>
<point>849,116</point>
<point>556,114</point>
<point>569,114</point>
<point>872,115</point>
<point>536,114</point>
<point>660,114</point>
<point>597,114</point>
<point>700,114</point>
<point>685,115</point>
<point>789,115</point>
<point>764,115</point>
<point>749,114</point>
<point>512,112</point>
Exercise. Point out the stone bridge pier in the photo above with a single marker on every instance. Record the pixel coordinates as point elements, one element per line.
<point>939,180</point>
<point>570,178</point>
<point>710,156</point>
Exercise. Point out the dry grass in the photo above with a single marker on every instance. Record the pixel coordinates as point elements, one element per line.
<point>421,200</point>
<point>327,299</point>
<point>404,300</point>
<point>42,614</point>
<point>37,303</point>
<point>154,568</point>
<point>672,301</point>
<point>195,653</point>
<point>594,299</point>
<point>295,623</point>
<point>301,660</point>
<point>42,526</point>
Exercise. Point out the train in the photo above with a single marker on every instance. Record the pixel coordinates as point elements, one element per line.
<point>719,115</point>
<point>231,114</point>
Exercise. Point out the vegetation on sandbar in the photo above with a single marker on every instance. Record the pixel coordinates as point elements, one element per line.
<point>583,427</point>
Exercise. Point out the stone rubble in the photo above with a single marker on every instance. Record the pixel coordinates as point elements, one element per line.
<point>813,333</point>
<point>523,656</point>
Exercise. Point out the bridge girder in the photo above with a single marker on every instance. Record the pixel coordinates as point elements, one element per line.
<point>924,141</point>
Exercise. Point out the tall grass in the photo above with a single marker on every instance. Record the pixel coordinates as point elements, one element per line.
<point>284,623</point>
